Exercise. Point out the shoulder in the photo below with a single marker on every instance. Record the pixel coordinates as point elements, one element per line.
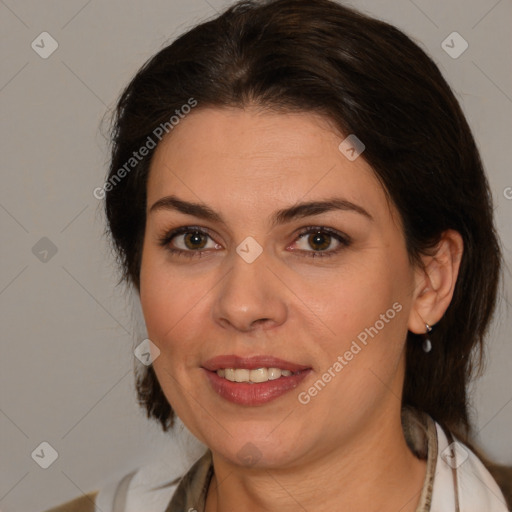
<point>149,487</point>
<point>462,476</point>
<point>84,504</point>
<point>503,476</point>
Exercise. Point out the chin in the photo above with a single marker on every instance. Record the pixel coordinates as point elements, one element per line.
<point>259,452</point>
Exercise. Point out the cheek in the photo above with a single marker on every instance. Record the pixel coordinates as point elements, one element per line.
<point>162,298</point>
<point>173,306</point>
<point>154,297</point>
<point>366,313</point>
<point>162,306</point>
<point>365,308</point>
<point>359,296</point>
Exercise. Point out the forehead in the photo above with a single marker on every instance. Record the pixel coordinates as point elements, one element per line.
<point>249,157</point>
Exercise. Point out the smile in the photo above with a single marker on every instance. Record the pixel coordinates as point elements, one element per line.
<point>255,376</point>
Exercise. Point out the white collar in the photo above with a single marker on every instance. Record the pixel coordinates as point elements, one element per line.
<point>476,489</point>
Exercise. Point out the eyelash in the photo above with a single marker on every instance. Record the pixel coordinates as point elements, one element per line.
<point>344,240</point>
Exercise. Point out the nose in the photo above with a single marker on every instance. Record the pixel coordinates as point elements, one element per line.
<point>250,296</point>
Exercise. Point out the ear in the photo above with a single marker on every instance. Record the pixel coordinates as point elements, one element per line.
<point>435,282</point>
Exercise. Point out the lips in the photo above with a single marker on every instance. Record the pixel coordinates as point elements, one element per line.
<point>251,363</point>
<point>251,393</point>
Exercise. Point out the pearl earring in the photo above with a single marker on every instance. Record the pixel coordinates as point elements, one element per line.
<point>427,344</point>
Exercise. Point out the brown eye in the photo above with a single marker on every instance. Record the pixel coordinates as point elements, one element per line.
<point>319,241</point>
<point>188,241</point>
<point>195,240</point>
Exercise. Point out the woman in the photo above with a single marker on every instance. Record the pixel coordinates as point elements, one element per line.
<point>298,200</point>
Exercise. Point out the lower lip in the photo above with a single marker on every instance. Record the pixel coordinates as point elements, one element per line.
<point>258,393</point>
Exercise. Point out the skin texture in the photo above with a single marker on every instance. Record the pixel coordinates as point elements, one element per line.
<point>345,449</point>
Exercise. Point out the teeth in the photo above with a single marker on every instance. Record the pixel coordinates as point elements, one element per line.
<point>274,373</point>
<point>242,375</point>
<point>258,375</point>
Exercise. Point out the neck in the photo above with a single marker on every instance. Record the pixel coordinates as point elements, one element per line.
<point>377,471</point>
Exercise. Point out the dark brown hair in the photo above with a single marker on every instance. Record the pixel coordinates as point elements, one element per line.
<point>370,80</point>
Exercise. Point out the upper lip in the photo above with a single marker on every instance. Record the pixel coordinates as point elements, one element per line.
<point>251,363</point>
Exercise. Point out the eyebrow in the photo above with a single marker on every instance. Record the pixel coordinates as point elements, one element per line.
<point>297,211</point>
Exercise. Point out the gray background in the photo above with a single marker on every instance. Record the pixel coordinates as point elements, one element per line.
<point>67,332</point>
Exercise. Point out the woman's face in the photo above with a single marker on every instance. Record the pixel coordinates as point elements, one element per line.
<point>332,304</point>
